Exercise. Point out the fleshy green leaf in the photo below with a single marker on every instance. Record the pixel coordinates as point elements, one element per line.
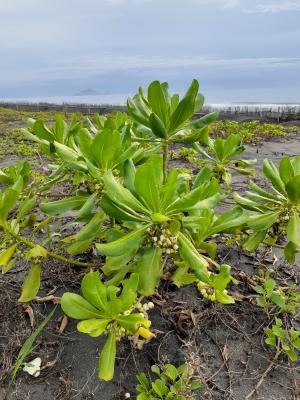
<point>192,258</point>
<point>94,290</point>
<point>254,240</point>
<point>286,170</point>
<point>158,101</point>
<point>122,245</point>
<point>61,206</point>
<point>106,147</point>
<point>263,222</point>
<point>107,358</point>
<point>149,270</point>
<point>132,322</point>
<point>120,195</point>
<point>293,189</point>
<point>272,174</point>
<point>293,229</point>
<point>77,307</point>
<point>148,182</point>
<point>93,327</point>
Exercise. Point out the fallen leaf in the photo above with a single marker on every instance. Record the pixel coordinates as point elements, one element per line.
<point>54,299</point>
<point>225,353</point>
<point>28,310</point>
<point>63,324</point>
<point>182,320</point>
<point>63,381</point>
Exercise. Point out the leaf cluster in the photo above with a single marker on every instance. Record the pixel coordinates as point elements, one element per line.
<point>172,383</point>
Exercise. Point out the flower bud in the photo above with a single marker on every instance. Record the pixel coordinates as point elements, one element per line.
<point>145,333</point>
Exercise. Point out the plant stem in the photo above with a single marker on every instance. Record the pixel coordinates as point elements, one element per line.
<point>278,246</point>
<point>136,139</point>
<point>165,159</point>
<point>271,365</point>
<point>58,257</point>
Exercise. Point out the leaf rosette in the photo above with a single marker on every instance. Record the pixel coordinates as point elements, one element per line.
<point>105,309</point>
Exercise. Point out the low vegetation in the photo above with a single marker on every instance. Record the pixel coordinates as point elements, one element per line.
<point>147,221</point>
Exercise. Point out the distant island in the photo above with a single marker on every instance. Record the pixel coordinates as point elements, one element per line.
<point>87,92</point>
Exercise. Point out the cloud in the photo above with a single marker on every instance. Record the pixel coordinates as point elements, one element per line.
<point>275,8</point>
<point>94,65</point>
<point>222,3</point>
<point>230,3</point>
<point>118,2</point>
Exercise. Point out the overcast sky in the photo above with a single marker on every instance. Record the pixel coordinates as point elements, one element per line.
<point>243,50</point>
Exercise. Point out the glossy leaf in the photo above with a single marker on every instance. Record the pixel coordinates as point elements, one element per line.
<point>157,126</point>
<point>106,147</point>
<point>119,194</point>
<point>107,358</point>
<point>94,290</point>
<point>93,327</point>
<point>263,222</point>
<point>26,206</point>
<point>149,270</point>
<point>192,258</point>
<point>286,170</point>
<point>293,189</point>
<point>42,132</point>
<point>126,242</point>
<point>148,182</point>
<point>61,206</point>
<point>77,307</point>
<point>254,240</point>
<point>293,229</point>
<point>158,101</point>
<point>132,322</point>
<point>272,174</point>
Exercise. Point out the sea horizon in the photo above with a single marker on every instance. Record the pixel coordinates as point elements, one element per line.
<point>119,99</point>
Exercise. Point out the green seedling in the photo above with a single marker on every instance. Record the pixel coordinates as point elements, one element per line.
<point>286,341</point>
<point>221,156</point>
<point>171,383</point>
<point>272,298</point>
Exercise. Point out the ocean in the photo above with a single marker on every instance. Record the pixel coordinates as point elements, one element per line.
<point>120,100</point>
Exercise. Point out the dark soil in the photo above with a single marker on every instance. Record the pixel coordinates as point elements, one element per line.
<point>225,344</point>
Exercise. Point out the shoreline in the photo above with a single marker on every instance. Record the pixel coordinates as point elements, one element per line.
<point>239,112</point>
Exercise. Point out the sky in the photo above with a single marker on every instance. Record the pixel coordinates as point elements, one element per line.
<point>239,50</point>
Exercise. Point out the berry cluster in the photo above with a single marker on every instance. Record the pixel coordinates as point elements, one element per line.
<point>161,236</point>
<point>96,185</point>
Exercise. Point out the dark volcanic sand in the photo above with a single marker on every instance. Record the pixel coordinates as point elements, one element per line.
<point>226,342</point>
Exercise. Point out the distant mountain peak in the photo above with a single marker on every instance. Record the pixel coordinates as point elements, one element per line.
<point>87,92</point>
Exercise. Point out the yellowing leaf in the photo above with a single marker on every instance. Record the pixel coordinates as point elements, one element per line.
<point>31,284</point>
<point>6,255</point>
<point>37,251</point>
